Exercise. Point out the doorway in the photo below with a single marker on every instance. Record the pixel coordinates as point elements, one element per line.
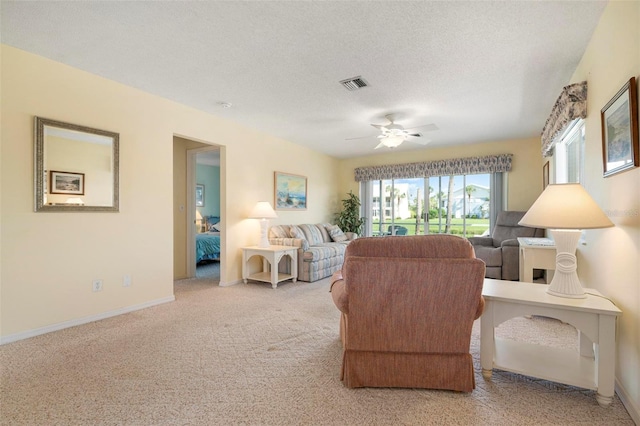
<point>189,218</point>
<point>207,215</point>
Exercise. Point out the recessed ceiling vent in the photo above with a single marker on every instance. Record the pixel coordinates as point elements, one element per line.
<point>354,83</point>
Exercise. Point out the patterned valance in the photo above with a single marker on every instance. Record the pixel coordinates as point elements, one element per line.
<point>571,104</point>
<point>454,166</point>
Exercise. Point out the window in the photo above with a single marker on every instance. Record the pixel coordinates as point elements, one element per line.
<point>458,204</point>
<point>568,156</point>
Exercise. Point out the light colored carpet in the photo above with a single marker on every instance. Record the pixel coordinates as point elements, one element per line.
<point>251,355</point>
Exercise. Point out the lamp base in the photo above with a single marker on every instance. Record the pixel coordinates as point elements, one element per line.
<point>565,282</point>
<point>264,240</point>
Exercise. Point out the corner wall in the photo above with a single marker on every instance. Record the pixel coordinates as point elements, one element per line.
<point>609,262</point>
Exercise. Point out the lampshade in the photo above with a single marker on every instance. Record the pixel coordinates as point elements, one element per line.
<point>566,209</point>
<point>565,206</point>
<point>198,215</point>
<point>262,210</point>
<point>75,200</point>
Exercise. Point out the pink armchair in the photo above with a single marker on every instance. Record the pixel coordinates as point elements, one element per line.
<point>408,305</point>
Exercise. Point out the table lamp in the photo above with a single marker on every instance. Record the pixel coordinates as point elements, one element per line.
<point>263,211</point>
<point>565,209</point>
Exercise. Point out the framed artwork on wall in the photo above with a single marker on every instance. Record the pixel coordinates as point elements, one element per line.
<point>619,120</point>
<point>199,195</point>
<point>290,191</point>
<point>545,175</point>
<point>67,183</point>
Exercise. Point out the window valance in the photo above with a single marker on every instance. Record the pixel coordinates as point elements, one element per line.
<point>571,104</point>
<point>454,166</point>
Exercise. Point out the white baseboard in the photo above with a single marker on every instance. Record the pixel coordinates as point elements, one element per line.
<point>230,283</point>
<point>628,402</point>
<point>72,323</point>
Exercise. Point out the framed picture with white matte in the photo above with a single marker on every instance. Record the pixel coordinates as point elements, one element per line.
<point>619,119</point>
<point>199,195</point>
<point>67,183</point>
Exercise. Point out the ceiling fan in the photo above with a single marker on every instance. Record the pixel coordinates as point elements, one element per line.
<point>394,134</point>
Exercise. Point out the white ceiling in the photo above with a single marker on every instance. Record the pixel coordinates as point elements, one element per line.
<point>481,71</point>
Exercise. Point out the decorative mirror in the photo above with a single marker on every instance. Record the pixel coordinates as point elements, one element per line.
<point>76,168</point>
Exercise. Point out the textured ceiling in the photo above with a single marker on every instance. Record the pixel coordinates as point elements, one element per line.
<point>480,71</point>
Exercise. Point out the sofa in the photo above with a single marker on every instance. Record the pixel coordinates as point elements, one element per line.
<point>321,247</point>
<point>407,309</point>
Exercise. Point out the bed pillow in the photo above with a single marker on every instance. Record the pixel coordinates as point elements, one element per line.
<point>213,227</point>
<point>336,233</point>
<point>296,232</point>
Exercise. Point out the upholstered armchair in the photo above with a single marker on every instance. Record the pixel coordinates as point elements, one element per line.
<point>408,305</point>
<point>501,251</point>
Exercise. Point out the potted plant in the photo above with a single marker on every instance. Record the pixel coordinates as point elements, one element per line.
<point>349,219</point>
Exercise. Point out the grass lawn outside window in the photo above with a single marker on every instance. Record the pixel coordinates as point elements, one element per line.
<point>459,226</point>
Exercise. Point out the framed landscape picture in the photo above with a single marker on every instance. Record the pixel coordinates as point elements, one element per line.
<point>619,119</point>
<point>290,191</point>
<point>66,183</point>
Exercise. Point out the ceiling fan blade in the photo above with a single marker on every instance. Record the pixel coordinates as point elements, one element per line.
<point>380,127</point>
<point>360,137</point>
<point>426,127</point>
<point>380,145</point>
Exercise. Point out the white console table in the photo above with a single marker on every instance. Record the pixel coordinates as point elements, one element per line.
<point>270,258</point>
<point>536,253</point>
<point>592,366</point>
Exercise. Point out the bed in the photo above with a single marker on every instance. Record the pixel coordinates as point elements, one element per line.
<point>207,246</point>
<point>208,243</point>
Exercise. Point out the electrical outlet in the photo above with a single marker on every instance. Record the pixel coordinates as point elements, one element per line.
<point>126,281</point>
<point>97,285</point>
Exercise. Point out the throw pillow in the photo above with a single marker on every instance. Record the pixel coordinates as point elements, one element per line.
<point>295,232</point>
<point>312,234</point>
<point>336,234</point>
<point>278,232</point>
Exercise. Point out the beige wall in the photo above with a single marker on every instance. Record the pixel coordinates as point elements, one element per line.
<point>49,259</point>
<point>524,180</point>
<point>609,261</point>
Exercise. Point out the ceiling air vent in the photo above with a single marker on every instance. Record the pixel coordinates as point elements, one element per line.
<point>354,83</point>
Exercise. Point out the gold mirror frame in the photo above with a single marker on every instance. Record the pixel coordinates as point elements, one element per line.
<point>40,169</point>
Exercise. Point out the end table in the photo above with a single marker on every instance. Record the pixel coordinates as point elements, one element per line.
<point>271,256</point>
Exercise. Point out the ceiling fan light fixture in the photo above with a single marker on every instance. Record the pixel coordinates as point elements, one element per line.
<point>392,141</point>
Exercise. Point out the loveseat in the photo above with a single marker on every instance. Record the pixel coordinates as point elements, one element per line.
<point>321,247</point>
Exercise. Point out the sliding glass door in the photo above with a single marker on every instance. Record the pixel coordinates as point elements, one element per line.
<point>459,204</point>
